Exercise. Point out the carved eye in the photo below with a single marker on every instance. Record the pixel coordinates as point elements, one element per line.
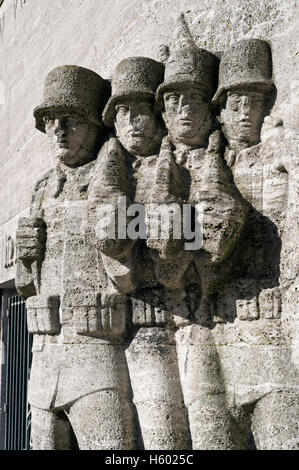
<point>146,109</point>
<point>234,104</point>
<point>49,120</point>
<point>122,109</point>
<point>72,121</point>
<point>172,99</point>
<point>199,99</point>
<point>257,100</point>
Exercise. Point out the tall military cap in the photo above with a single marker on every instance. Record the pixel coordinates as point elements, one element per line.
<point>190,65</point>
<point>247,62</point>
<point>73,90</point>
<point>133,76</point>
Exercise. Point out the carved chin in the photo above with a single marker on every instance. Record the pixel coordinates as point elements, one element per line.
<point>187,130</point>
<point>187,133</point>
<point>136,144</point>
<point>65,156</point>
<point>243,133</point>
<point>248,134</point>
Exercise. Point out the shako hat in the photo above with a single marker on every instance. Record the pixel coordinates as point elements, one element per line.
<point>247,62</point>
<point>133,76</point>
<point>73,89</point>
<point>189,65</point>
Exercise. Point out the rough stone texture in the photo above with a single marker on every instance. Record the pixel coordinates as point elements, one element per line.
<point>165,348</point>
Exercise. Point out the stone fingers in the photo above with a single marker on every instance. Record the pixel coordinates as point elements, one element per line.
<point>30,237</point>
<point>43,314</point>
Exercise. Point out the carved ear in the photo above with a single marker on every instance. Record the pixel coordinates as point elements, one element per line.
<point>164,116</point>
<point>115,127</point>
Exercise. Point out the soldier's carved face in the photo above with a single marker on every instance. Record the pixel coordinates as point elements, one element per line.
<point>137,126</point>
<point>187,115</point>
<point>72,139</point>
<point>242,116</point>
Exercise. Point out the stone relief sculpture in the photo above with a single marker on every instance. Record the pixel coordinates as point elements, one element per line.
<point>195,147</point>
<point>168,342</point>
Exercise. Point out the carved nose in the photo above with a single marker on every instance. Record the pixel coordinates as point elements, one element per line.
<point>59,126</point>
<point>245,108</point>
<point>134,118</point>
<point>185,109</point>
<point>132,113</point>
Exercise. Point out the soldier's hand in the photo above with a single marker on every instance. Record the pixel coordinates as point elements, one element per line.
<point>43,314</point>
<point>247,309</point>
<point>30,239</point>
<point>164,228</point>
<point>106,318</point>
<point>216,142</point>
<point>270,303</point>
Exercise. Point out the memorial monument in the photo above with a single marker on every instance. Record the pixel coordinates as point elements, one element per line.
<point>154,260</point>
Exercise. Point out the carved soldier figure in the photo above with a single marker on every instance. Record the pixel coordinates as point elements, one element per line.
<point>270,395</point>
<point>193,150</point>
<point>191,154</point>
<point>79,385</point>
<point>126,168</point>
<point>244,97</point>
<point>126,158</point>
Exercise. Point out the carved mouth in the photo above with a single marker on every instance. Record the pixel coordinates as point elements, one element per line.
<point>245,123</point>
<point>136,133</point>
<point>186,122</point>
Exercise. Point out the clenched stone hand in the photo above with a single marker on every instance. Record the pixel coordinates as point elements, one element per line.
<point>30,238</point>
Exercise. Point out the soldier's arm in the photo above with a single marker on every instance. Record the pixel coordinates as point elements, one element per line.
<point>223,209</point>
<point>110,195</point>
<point>165,201</point>
<point>30,239</point>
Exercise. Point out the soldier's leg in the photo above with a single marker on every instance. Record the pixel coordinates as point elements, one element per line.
<point>204,394</point>
<point>210,424</point>
<point>51,430</point>
<point>275,423</point>
<point>152,362</point>
<point>103,421</point>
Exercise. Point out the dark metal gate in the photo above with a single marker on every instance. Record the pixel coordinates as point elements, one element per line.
<point>16,361</point>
